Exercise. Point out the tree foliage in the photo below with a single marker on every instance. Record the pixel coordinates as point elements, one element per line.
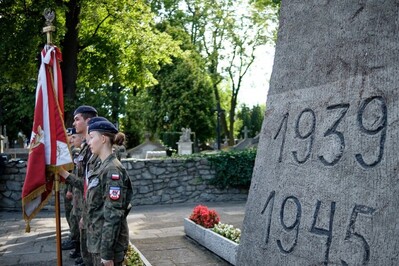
<point>110,48</point>
<point>251,118</point>
<point>134,60</point>
<point>182,97</point>
<point>227,33</point>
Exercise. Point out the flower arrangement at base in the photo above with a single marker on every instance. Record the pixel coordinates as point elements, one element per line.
<point>132,258</point>
<point>228,231</point>
<point>205,217</point>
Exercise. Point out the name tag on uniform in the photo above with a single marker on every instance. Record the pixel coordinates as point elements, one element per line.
<point>114,193</point>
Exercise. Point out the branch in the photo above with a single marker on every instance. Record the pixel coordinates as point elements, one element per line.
<point>82,47</point>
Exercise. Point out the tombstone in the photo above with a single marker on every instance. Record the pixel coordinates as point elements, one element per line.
<point>141,151</point>
<point>155,154</point>
<point>185,145</point>
<point>21,140</point>
<point>1,139</point>
<point>247,143</point>
<point>245,131</point>
<point>5,141</point>
<point>325,184</point>
<point>225,144</point>
<point>2,143</point>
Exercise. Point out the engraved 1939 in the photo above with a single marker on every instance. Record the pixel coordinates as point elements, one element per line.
<point>377,130</point>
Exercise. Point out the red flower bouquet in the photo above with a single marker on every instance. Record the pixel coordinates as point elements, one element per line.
<point>205,217</point>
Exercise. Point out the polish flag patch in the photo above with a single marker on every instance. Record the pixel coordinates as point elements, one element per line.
<point>115,177</point>
<point>114,193</point>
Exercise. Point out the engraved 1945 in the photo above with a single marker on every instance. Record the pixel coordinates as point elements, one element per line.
<point>351,235</point>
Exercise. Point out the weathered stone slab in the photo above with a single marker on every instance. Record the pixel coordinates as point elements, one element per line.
<point>325,186</point>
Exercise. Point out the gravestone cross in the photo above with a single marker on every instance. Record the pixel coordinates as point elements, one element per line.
<point>245,131</point>
<point>325,184</point>
<point>226,140</point>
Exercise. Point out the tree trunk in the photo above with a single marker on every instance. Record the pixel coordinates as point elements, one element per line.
<point>70,58</point>
<point>231,123</point>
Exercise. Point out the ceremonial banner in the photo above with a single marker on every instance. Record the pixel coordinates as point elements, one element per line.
<point>48,143</point>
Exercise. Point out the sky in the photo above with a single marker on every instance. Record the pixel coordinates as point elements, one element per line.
<point>256,82</point>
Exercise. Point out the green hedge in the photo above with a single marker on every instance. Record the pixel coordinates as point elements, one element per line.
<point>233,168</point>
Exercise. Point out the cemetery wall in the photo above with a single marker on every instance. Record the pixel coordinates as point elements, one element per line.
<point>154,182</point>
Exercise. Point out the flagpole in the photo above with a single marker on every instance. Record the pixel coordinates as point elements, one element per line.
<point>58,219</point>
<point>49,15</point>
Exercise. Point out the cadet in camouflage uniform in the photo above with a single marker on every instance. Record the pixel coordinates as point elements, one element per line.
<point>92,163</point>
<point>108,233</point>
<point>82,116</point>
<point>108,199</point>
<point>76,142</point>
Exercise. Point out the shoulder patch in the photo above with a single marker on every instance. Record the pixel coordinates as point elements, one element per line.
<point>115,177</point>
<point>114,193</point>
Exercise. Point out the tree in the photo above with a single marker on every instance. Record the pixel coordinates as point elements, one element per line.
<point>22,40</point>
<point>247,34</point>
<point>252,119</point>
<point>183,96</point>
<point>109,48</point>
<point>262,4</point>
<point>227,37</point>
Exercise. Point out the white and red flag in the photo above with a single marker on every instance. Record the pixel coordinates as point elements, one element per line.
<point>48,143</point>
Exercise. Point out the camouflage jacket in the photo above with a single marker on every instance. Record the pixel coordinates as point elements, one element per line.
<point>82,165</point>
<point>108,198</point>
<point>93,163</point>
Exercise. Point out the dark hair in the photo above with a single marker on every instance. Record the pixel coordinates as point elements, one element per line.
<point>118,138</point>
<point>88,115</point>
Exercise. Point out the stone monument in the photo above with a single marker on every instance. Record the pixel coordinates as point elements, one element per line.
<point>185,145</point>
<point>325,184</point>
<point>3,139</point>
<point>146,149</point>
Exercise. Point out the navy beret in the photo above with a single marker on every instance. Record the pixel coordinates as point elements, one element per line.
<point>85,109</point>
<point>96,119</point>
<point>70,131</point>
<point>103,126</point>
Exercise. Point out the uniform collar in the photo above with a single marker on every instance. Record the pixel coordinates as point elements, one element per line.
<point>109,158</point>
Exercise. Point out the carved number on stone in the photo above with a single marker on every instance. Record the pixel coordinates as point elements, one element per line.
<point>306,135</point>
<point>333,131</point>
<point>321,231</point>
<point>270,199</point>
<point>294,226</point>
<point>283,126</point>
<point>351,233</point>
<point>382,127</point>
<point>379,125</point>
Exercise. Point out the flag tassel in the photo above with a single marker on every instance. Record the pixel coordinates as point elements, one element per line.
<point>27,227</point>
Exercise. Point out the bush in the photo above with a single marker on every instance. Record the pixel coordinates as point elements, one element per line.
<point>233,169</point>
<point>205,217</point>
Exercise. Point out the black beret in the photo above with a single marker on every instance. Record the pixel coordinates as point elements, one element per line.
<point>71,131</point>
<point>85,109</point>
<point>96,119</point>
<point>103,126</point>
